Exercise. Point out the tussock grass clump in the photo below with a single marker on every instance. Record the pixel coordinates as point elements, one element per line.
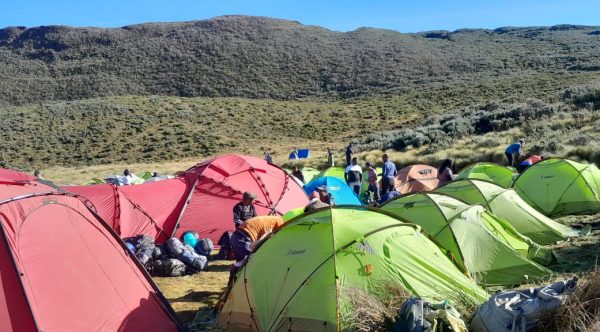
<point>373,309</point>
<point>580,313</point>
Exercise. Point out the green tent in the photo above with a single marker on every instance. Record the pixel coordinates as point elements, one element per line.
<point>336,172</point>
<point>92,181</point>
<point>488,248</point>
<point>560,186</point>
<point>500,175</point>
<point>296,280</point>
<point>508,205</point>
<point>309,174</point>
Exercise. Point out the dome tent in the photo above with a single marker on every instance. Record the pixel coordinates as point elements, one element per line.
<point>341,192</point>
<point>498,174</point>
<point>80,278</point>
<point>560,186</point>
<point>217,186</point>
<point>200,199</point>
<point>417,178</point>
<point>507,204</point>
<point>151,208</point>
<point>488,248</point>
<point>336,172</point>
<point>339,248</point>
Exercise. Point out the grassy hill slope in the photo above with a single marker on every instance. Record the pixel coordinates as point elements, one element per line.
<point>256,57</point>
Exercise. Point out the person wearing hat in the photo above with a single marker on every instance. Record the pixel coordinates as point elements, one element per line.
<point>315,204</point>
<point>245,209</point>
<point>513,151</point>
<point>324,196</point>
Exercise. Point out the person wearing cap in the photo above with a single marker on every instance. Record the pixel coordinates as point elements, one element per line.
<point>245,209</point>
<point>515,149</point>
<point>325,196</point>
<point>251,233</point>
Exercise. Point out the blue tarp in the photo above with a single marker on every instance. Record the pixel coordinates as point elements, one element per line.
<point>300,154</point>
<point>341,192</point>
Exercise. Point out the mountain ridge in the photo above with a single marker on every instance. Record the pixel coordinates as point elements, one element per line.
<point>258,57</point>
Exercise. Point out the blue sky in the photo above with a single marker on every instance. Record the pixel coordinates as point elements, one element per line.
<point>341,15</point>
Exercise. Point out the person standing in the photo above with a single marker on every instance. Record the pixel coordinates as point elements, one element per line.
<point>330,160</point>
<point>353,176</point>
<point>268,157</point>
<point>245,209</point>
<point>373,188</point>
<point>513,151</point>
<point>297,173</point>
<point>349,153</point>
<point>388,175</point>
<point>445,174</point>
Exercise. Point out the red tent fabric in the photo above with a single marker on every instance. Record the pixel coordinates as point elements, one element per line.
<point>151,208</point>
<point>8,176</point>
<point>417,178</point>
<point>63,269</point>
<point>218,184</point>
<point>200,199</point>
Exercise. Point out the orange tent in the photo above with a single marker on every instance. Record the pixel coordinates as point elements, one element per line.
<point>417,178</point>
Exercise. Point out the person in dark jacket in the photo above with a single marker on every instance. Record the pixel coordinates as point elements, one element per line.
<point>297,173</point>
<point>349,153</point>
<point>245,209</point>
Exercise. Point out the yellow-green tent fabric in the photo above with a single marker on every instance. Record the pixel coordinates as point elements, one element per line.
<point>498,174</point>
<point>296,280</point>
<point>508,205</point>
<point>560,186</point>
<point>488,248</point>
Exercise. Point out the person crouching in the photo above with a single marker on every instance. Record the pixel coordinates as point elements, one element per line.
<point>251,233</point>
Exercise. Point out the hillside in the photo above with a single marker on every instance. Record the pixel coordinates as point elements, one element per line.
<point>255,57</point>
<point>154,93</point>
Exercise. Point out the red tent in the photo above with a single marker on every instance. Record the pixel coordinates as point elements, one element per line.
<point>8,176</point>
<point>63,269</point>
<point>199,199</point>
<point>151,208</point>
<point>218,185</point>
<point>417,178</point>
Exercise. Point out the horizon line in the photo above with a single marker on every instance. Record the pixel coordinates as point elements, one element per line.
<point>293,21</point>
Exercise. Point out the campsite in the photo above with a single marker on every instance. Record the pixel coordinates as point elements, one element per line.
<point>300,166</point>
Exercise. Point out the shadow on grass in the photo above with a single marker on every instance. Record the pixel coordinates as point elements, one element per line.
<point>221,267</point>
<point>578,258</point>
<point>198,296</point>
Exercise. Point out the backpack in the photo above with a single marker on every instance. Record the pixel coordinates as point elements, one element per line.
<point>225,253</point>
<point>417,315</point>
<point>169,267</point>
<point>520,310</point>
<point>204,247</point>
<point>411,316</point>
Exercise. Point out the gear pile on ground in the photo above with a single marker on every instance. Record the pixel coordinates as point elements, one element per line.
<point>173,259</point>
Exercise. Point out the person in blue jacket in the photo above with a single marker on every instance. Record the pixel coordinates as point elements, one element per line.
<point>513,151</point>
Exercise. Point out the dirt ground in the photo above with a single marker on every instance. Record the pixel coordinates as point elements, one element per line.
<point>190,294</point>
